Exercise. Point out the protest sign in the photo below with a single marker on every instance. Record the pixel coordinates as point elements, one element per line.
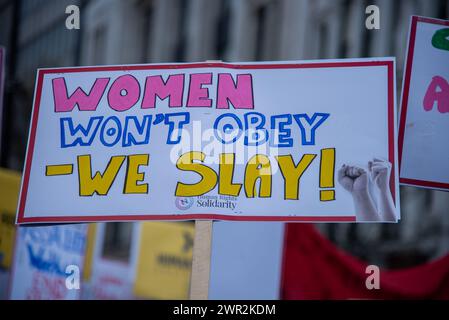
<point>157,265</point>
<point>250,265</point>
<point>291,141</point>
<point>165,260</point>
<point>109,281</point>
<point>110,272</point>
<point>424,120</point>
<point>48,262</point>
<point>9,192</point>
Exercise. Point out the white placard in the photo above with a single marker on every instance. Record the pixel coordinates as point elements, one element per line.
<point>424,121</point>
<point>48,262</point>
<point>290,141</point>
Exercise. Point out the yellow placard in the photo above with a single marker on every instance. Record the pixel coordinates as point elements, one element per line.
<point>165,260</point>
<point>9,193</point>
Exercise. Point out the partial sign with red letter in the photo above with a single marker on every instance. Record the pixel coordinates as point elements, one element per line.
<point>424,120</point>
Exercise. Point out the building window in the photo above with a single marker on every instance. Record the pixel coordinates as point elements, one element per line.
<point>180,49</point>
<point>324,40</point>
<point>148,23</point>
<point>267,21</point>
<point>117,241</point>
<point>99,45</point>
<point>222,30</point>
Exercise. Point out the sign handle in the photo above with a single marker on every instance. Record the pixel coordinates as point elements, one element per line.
<point>199,280</point>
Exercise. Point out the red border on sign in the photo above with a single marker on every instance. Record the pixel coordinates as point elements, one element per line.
<point>404,102</point>
<point>26,176</point>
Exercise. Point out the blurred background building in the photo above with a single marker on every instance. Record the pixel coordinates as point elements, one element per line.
<point>149,31</point>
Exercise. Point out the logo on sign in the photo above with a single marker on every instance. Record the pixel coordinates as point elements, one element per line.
<point>183,203</point>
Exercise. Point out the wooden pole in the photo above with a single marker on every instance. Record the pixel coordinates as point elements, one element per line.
<point>199,280</point>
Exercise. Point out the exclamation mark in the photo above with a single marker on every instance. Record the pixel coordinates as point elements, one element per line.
<point>327,169</point>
